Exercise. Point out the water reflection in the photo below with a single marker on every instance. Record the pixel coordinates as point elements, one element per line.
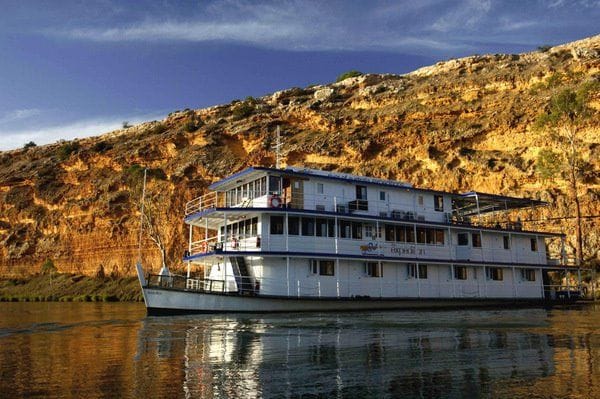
<point>108,350</point>
<point>383,355</point>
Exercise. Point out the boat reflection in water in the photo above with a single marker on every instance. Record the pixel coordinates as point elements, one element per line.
<point>387,354</point>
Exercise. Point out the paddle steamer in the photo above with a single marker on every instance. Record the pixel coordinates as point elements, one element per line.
<point>298,239</point>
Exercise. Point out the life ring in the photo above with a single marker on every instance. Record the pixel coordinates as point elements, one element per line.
<point>275,201</point>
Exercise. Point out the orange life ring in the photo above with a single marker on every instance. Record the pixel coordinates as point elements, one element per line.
<point>274,201</point>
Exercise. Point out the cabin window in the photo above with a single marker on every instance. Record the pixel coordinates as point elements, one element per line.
<point>463,239</point>
<point>276,224</point>
<point>274,184</point>
<point>420,200</point>
<point>357,230</point>
<point>308,226</point>
<point>528,274</point>
<point>320,188</point>
<point>439,237</point>
<point>494,273</point>
<point>369,231</point>
<point>293,225</point>
<point>331,227</point>
<point>417,271</point>
<point>438,202</point>
<point>401,233</point>
<point>344,227</point>
<point>326,268</point>
<point>460,272</point>
<point>390,233</point>
<point>476,240</point>
<point>506,242</point>
<point>313,266</point>
<point>373,269</point>
<point>421,235</point>
<point>534,246</point>
<point>382,195</point>
<point>361,192</point>
<point>321,227</point>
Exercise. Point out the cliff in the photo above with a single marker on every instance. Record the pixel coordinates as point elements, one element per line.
<point>460,125</point>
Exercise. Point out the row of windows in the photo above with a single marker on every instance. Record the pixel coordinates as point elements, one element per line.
<point>463,239</point>
<point>414,271</point>
<point>325,227</point>
<point>243,228</point>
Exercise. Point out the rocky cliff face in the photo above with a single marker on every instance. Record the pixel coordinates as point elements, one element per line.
<point>460,125</point>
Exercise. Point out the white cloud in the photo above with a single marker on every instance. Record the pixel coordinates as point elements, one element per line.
<point>12,139</point>
<point>18,114</point>
<point>466,15</point>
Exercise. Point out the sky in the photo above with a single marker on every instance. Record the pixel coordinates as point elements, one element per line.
<point>79,68</point>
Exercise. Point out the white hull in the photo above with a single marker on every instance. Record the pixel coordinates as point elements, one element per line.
<point>171,301</point>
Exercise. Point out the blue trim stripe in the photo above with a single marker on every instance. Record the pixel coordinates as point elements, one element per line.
<point>364,257</point>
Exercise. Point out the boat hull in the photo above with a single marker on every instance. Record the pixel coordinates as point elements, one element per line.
<point>166,301</point>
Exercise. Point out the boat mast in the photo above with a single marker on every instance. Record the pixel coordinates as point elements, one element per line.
<point>278,149</point>
<point>142,217</point>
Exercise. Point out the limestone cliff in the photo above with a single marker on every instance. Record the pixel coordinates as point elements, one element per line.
<point>463,124</point>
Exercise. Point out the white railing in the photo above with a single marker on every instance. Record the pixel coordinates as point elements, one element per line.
<point>207,201</point>
<point>242,243</point>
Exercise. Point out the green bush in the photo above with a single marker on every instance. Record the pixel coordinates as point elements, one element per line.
<point>67,149</point>
<point>29,145</point>
<point>101,147</point>
<point>48,267</point>
<point>243,110</point>
<point>544,48</point>
<point>350,74</point>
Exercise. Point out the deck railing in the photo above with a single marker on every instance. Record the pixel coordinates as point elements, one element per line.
<point>369,287</point>
<point>400,211</point>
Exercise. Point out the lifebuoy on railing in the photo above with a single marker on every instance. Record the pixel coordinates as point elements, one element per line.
<point>274,201</point>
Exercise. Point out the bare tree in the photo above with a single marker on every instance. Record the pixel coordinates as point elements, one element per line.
<point>566,112</point>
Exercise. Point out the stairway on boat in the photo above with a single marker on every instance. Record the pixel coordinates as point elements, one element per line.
<point>243,279</point>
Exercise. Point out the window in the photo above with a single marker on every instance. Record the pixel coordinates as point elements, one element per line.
<point>382,195</point>
<point>528,274</point>
<point>357,230</point>
<point>476,240</point>
<point>326,268</point>
<point>401,233</point>
<point>415,271</point>
<point>274,184</point>
<point>463,239</point>
<point>369,231</point>
<point>534,246</point>
<point>494,273</point>
<point>438,203</point>
<point>313,266</point>
<point>319,188</point>
<point>276,225</point>
<point>390,233</point>
<point>331,227</point>
<point>308,226</point>
<point>372,269</point>
<point>421,235</point>
<point>344,227</point>
<point>506,242</point>
<point>361,192</point>
<point>439,237</point>
<point>420,199</point>
<point>321,227</point>
<point>293,225</point>
<point>460,272</point>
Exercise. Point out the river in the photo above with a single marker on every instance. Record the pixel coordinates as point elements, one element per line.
<point>107,350</point>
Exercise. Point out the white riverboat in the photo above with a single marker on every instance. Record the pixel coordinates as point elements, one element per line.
<point>298,239</point>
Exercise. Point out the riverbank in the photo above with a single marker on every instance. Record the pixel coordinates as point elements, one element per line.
<point>70,288</point>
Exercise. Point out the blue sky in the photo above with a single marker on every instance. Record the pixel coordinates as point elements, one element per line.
<point>78,68</point>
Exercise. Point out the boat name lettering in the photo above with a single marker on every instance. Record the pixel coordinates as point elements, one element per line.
<point>370,247</point>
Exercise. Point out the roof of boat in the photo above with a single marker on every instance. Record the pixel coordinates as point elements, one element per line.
<point>468,201</point>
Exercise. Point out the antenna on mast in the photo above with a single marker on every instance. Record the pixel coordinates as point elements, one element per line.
<point>142,217</point>
<point>278,149</point>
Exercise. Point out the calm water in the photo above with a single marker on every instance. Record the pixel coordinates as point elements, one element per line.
<point>114,350</point>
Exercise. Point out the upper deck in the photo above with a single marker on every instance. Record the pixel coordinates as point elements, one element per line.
<point>296,189</point>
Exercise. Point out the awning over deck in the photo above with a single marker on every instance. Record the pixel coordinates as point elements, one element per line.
<point>475,203</point>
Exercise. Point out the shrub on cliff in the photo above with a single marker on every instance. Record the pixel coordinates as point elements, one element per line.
<point>67,149</point>
<point>350,74</point>
<point>48,267</point>
<point>243,110</point>
<point>29,145</point>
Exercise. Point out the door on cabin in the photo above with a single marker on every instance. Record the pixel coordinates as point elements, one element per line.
<point>297,193</point>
